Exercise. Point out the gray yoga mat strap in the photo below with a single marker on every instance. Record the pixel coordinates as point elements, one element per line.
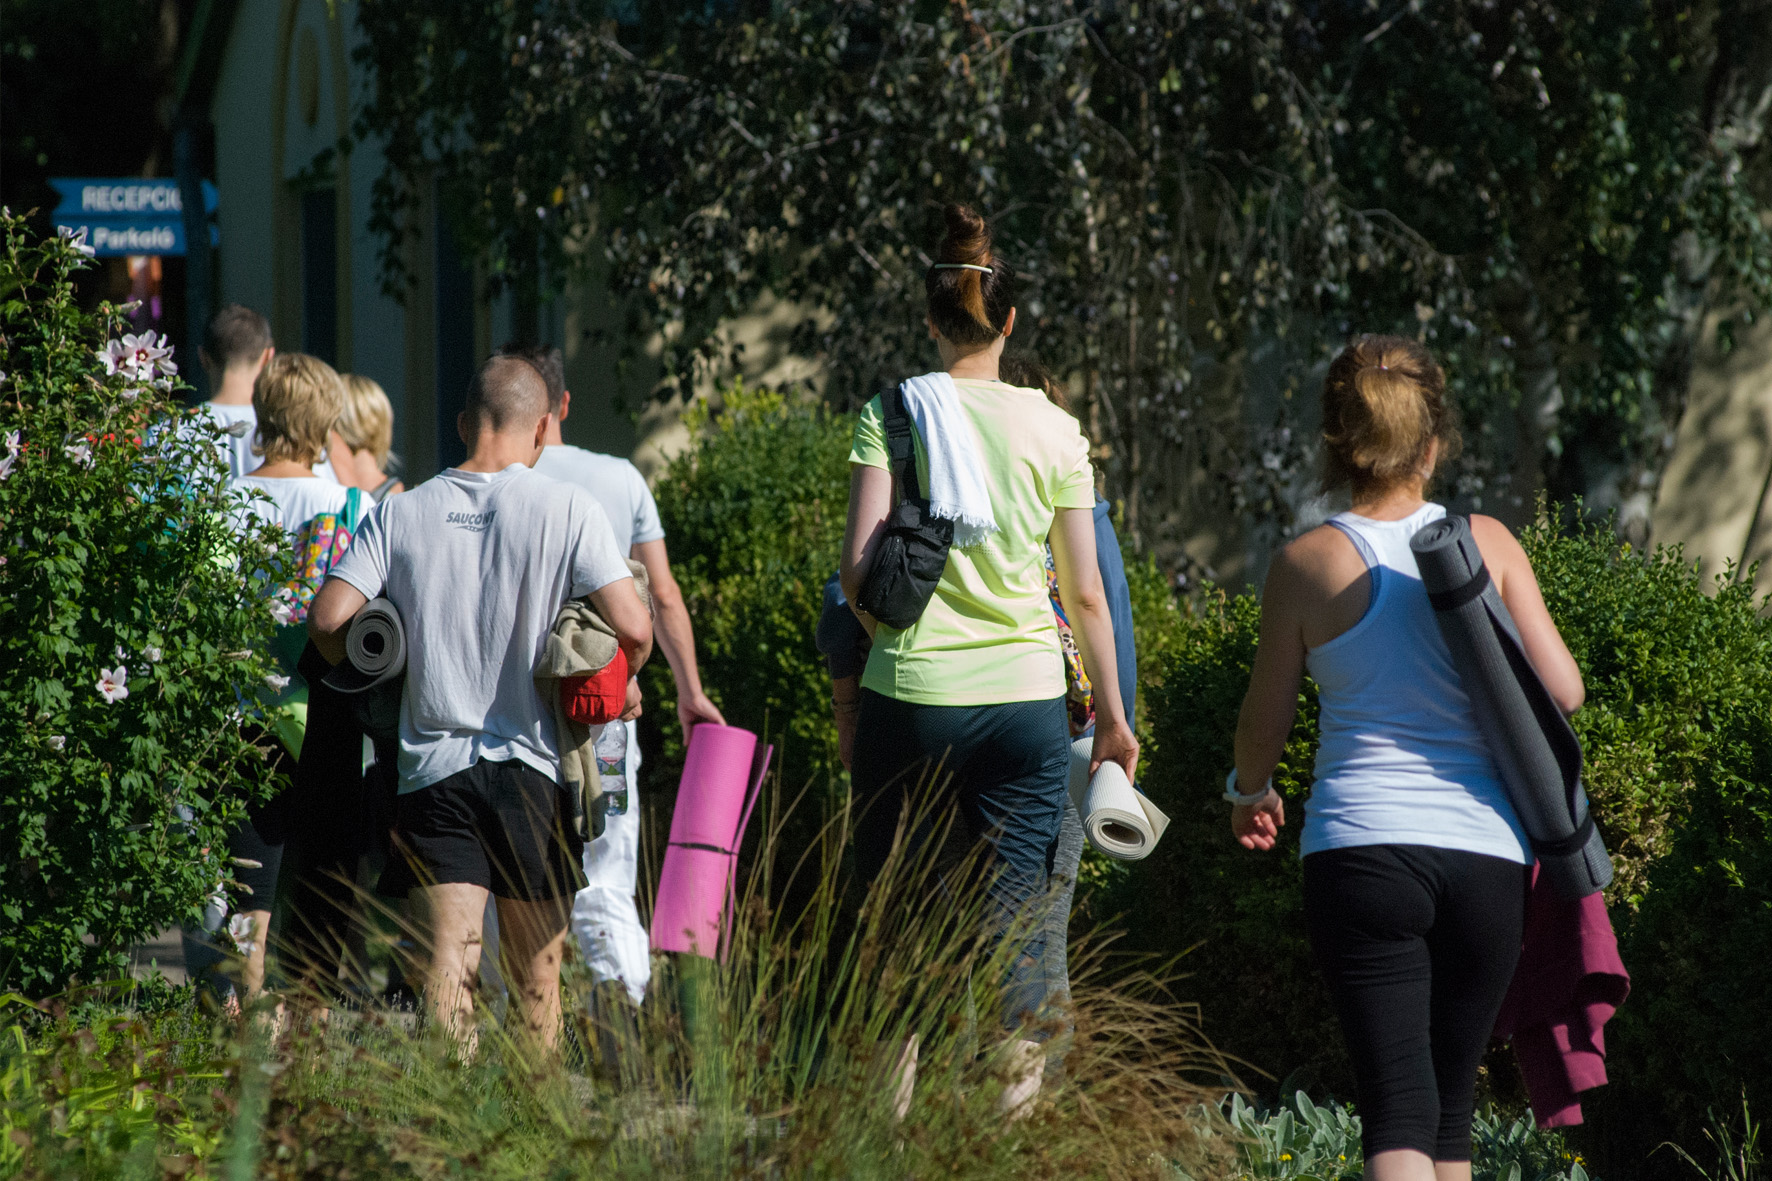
<point>1531,741</point>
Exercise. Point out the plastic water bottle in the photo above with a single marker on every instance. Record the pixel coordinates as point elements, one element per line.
<point>612,766</point>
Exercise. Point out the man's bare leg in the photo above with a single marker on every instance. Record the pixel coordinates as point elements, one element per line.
<point>533,937</point>
<point>449,918</point>
<point>252,966</point>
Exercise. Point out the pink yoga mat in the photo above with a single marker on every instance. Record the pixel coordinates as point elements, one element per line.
<point>721,776</point>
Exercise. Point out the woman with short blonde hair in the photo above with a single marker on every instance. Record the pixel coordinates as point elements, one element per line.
<point>299,400</point>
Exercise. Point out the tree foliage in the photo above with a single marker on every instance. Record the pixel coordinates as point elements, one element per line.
<point>134,634</point>
<point>1205,196</point>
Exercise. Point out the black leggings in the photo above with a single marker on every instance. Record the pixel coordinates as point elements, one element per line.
<point>1418,945</point>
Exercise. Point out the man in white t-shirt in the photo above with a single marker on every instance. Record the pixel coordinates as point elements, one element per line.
<point>236,347</point>
<point>604,917</point>
<point>478,562</point>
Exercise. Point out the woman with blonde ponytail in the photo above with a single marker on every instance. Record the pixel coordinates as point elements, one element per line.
<point>971,693</point>
<point>1415,866</point>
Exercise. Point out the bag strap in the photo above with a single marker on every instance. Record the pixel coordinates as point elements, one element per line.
<point>353,509</point>
<point>900,444</point>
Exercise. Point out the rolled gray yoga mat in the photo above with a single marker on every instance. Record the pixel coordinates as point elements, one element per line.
<point>375,649</point>
<point>375,645</point>
<point>1537,753</point>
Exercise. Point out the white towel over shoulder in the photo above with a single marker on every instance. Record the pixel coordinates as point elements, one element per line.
<point>957,490</point>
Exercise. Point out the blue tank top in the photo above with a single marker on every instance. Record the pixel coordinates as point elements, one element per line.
<point>1400,760</point>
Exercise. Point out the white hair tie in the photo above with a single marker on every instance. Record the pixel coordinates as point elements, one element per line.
<point>960,266</point>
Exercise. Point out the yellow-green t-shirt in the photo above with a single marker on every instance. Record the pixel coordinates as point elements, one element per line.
<point>987,635</point>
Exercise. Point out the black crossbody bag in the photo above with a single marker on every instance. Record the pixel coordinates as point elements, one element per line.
<point>913,551</point>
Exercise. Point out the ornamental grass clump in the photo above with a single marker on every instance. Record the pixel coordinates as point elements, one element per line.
<point>134,634</point>
<point>775,1062</point>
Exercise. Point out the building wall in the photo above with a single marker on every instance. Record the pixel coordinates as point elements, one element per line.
<point>1716,495</point>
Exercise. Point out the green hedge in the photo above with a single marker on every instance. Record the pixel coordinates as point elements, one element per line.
<point>1678,734</point>
<point>753,514</point>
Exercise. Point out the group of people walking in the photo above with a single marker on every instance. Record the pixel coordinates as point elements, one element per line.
<point>979,623</point>
<point>478,562</point>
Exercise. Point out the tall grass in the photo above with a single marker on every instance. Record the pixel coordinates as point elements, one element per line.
<point>774,1063</point>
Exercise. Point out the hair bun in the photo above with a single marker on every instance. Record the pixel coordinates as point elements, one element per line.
<point>968,238</point>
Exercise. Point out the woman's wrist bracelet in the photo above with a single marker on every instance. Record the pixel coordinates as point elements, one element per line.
<point>846,707</point>
<point>1237,798</point>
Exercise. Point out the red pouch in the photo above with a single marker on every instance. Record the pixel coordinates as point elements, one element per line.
<point>599,697</point>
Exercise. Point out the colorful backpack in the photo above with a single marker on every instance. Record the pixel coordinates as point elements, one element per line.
<point>1079,695</point>
<point>318,544</point>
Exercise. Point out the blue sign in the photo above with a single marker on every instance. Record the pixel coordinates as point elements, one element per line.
<point>112,238</point>
<point>129,215</point>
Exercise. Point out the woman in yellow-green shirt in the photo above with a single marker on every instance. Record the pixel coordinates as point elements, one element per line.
<point>976,685</point>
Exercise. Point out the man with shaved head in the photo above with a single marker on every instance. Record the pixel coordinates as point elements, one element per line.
<point>478,561</point>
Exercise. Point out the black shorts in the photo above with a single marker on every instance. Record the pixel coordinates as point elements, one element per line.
<point>504,826</point>
<point>258,881</point>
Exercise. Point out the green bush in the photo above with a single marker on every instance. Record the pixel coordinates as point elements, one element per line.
<point>117,560</point>
<point>1679,768</point>
<point>1696,1035</point>
<point>754,514</point>
<point>1310,1142</point>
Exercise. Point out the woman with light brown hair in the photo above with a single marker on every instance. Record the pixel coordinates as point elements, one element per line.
<point>971,688</point>
<point>1415,865</point>
<point>364,438</point>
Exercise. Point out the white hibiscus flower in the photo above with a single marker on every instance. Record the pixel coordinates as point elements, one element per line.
<point>58,741</point>
<point>277,681</point>
<point>144,357</point>
<point>241,929</point>
<point>152,653</point>
<point>113,684</point>
<point>80,453</point>
<point>76,239</point>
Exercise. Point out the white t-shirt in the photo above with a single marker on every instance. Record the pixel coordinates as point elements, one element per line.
<point>297,499</point>
<point>478,565</point>
<point>241,423</point>
<point>618,486</point>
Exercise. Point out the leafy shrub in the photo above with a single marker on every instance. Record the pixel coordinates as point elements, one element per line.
<point>1675,729</point>
<point>134,635</point>
<point>754,515</point>
<point>1696,1035</point>
<point>1312,1142</point>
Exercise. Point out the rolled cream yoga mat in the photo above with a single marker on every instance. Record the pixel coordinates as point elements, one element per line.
<point>1117,818</point>
<point>1537,753</point>
<point>722,777</point>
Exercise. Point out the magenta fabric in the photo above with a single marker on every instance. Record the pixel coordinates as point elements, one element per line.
<point>719,775</point>
<point>1569,983</point>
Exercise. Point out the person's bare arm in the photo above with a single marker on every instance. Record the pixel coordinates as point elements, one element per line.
<point>1271,703</point>
<point>846,709</point>
<point>620,606</point>
<point>1512,572</point>
<point>1085,602</point>
<point>675,636</point>
<point>870,500</point>
<point>330,615</point>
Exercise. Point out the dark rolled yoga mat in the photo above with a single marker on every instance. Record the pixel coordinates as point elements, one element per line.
<point>373,671</point>
<point>1537,753</point>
